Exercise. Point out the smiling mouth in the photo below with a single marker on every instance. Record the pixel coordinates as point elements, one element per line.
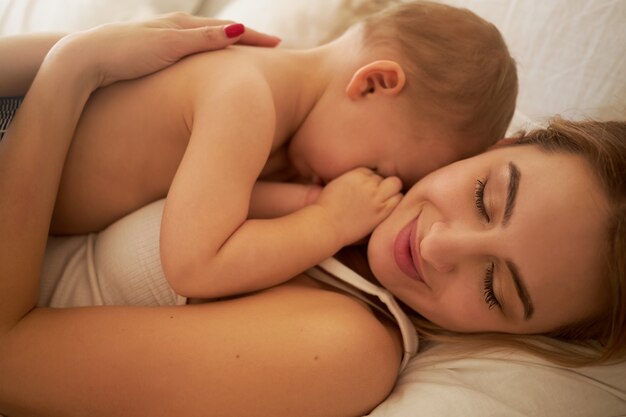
<point>406,253</point>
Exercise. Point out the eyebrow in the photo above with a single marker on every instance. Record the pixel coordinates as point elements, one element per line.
<point>514,179</point>
<point>511,192</point>
<point>522,292</point>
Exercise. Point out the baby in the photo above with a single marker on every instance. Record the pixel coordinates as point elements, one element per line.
<point>400,94</point>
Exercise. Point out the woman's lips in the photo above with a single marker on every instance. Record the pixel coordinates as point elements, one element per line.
<point>406,252</point>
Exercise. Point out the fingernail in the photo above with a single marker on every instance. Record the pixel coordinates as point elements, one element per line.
<point>234,29</point>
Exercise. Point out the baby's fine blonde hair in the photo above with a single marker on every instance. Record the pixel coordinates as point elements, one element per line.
<point>459,70</point>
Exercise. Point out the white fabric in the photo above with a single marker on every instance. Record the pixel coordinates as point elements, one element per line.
<point>301,23</point>
<point>118,266</point>
<point>571,56</point>
<point>571,61</point>
<point>506,384</point>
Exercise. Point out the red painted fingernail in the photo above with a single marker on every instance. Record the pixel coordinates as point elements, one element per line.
<point>234,29</point>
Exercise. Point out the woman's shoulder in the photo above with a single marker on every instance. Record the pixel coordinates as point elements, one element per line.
<point>324,351</point>
<point>348,346</point>
<point>295,347</point>
<point>341,323</point>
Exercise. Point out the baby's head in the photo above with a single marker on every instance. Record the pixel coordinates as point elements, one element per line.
<point>460,77</point>
<point>421,85</point>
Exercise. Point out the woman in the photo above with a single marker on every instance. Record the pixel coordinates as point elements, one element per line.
<point>238,357</point>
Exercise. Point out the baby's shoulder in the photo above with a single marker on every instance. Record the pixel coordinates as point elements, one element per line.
<point>230,80</point>
<point>226,70</point>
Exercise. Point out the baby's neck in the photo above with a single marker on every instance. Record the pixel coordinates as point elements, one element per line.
<point>299,78</point>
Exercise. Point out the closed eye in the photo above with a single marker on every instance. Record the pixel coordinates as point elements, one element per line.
<point>479,198</point>
<point>490,296</point>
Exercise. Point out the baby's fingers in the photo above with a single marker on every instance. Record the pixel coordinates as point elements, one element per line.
<point>389,190</point>
<point>392,202</point>
<point>390,186</point>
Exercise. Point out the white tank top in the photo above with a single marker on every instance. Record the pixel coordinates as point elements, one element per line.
<point>119,266</point>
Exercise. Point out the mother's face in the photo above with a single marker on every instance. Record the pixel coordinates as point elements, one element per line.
<point>511,240</point>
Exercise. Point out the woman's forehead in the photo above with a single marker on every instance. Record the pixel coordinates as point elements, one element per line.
<point>558,234</point>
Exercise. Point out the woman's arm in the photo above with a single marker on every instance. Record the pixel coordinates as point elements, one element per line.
<point>294,350</point>
<point>21,57</point>
<point>31,159</point>
<point>33,150</point>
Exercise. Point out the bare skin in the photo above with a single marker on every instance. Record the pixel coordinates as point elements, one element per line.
<point>202,132</point>
<point>128,147</point>
<point>209,359</point>
<point>159,361</point>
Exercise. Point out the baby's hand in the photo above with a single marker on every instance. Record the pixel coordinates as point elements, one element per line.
<point>358,201</point>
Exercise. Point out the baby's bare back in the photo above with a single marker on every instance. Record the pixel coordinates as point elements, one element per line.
<point>126,149</point>
<point>132,136</point>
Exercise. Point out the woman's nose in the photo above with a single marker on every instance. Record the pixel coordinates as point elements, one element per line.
<point>444,247</point>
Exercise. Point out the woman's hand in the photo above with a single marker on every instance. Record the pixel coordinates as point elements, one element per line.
<point>120,51</point>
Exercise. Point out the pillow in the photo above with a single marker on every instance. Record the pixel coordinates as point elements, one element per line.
<point>439,383</point>
<point>569,54</point>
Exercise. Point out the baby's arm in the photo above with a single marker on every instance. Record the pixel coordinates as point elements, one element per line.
<point>275,199</point>
<point>210,249</point>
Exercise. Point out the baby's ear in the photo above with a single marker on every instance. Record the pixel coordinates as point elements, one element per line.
<point>378,77</point>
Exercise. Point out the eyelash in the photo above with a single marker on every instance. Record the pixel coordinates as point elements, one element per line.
<point>479,198</point>
<point>490,297</point>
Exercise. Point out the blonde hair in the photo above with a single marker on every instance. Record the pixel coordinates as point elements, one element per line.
<point>600,339</point>
<point>459,70</point>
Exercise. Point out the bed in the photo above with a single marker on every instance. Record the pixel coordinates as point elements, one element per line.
<point>571,61</point>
